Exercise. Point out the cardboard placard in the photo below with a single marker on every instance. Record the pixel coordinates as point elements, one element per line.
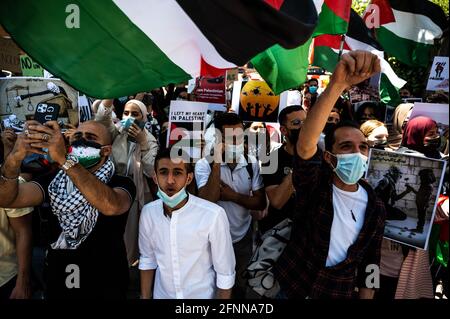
<point>438,79</point>
<point>409,187</point>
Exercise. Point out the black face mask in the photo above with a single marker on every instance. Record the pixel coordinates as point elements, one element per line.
<point>433,143</point>
<point>85,143</point>
<point>380,145</point>
<point>293,136</point>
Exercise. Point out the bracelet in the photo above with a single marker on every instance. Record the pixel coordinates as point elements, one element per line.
<point>8,178</point>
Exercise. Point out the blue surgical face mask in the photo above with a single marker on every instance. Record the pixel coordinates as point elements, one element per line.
<point>350,168</point>
<point>313,89</point>
<point>126,122</point>
<point>172,201</point>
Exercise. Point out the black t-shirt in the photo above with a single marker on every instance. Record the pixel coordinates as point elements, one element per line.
<point>101,258</point>
<point>285,164</point>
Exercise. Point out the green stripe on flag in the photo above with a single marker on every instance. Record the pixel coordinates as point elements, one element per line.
<point>330,23</point>
<point>283,69</point>
<point>107,47</point>
<point>388,92</point>
<point>325,57</point>
<point>407,51</point>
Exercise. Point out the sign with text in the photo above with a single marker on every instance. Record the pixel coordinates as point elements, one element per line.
<point>187,122</point>
<point>30,67</point>
<point>210,89</point>
<point>9,56</point>
<point>438,79</point>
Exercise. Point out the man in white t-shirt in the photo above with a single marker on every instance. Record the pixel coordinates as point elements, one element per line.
<point>184,240</point>
<point>233,181</point>
<point>338,223</point>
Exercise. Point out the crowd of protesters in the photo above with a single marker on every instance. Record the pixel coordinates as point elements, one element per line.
<point>114,200</point>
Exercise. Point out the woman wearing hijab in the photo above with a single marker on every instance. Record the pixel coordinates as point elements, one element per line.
<point>401,117</point>
<point>422,136</point>
<point>133,154</point>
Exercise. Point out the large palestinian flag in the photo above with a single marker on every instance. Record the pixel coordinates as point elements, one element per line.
<point>284,69</point>
<point>125,46</point>
<point>327,47</point>
<point>406,28</point>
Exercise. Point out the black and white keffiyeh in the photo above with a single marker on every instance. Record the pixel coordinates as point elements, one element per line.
<point>76,216</point>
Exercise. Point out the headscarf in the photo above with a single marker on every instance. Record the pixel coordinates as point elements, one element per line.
<point>141,106</point>
<point>415,132</point>
<point>396,133</point>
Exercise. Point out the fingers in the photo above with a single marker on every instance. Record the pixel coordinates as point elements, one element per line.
<point>367,67</point>
<point>377,65</point>
<point>39,136</point>
<point>53,125</point>
<point>38,144</point>
<point>350,62</point>
<point>40,129</point>
<point>361,58</point>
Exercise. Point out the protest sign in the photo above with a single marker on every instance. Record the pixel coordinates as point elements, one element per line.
<point>210,89</point>
<point>255,101</point>
<point>368,90</point>
<point>84,108</point>
<point>409,186</point>
<point>437,112</point>
<point>187,122</point>
<point>438,79</point>
<point>30,67</point>
<point>21,95</point>
<point>9,55</point>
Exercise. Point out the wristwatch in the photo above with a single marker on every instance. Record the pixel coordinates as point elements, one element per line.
<point>70,162</point>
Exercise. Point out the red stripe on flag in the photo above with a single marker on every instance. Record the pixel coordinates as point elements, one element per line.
<point>381,8</point>
<point>340,7</point>
<point>208,70</point>
<point>332,41</point>
<point>275,3</point>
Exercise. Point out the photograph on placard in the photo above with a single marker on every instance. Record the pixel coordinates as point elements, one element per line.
<point>409,186</point>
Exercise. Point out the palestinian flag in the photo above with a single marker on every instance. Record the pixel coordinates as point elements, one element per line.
<point>284,69</point>
<point>112,48</point>
<point>326,55</point>
<point>407,28</point>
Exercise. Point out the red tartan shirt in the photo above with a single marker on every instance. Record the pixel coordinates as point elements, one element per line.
<point>301,270</point>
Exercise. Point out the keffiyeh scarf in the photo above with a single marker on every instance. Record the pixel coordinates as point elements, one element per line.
<point>76,216</point>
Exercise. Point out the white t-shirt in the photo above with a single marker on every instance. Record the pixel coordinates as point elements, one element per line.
<point>239,180</point>
<point>191,251</point>
<point>346,226</point>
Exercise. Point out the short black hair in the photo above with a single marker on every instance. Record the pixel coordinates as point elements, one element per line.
<point>313,79</point>
<point>227,119</point>
<point>330,138</point>
<point>366,105</point>
<point>282,117</point>
<point>167,152</point>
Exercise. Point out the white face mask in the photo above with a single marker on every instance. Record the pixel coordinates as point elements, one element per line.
<point>233,152</point>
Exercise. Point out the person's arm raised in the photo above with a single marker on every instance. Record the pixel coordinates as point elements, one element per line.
<point>354,67</point>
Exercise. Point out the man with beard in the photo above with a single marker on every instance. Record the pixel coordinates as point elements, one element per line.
<point>90,204</point>
<point>279,187</point>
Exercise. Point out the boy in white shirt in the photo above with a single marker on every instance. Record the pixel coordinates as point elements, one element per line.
<point>184,240</point>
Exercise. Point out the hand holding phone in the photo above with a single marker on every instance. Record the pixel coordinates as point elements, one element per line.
<point>46,112</point>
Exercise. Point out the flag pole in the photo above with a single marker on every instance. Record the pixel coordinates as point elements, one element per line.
<point>341,48</point>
